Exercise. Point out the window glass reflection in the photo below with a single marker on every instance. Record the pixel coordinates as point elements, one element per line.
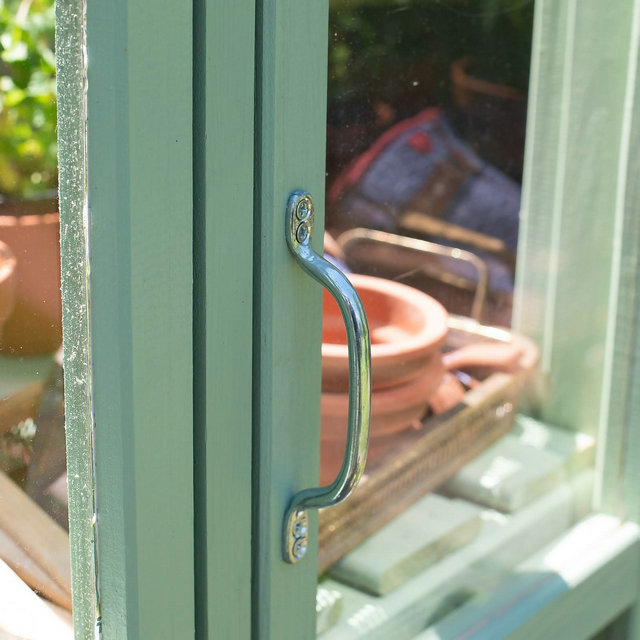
<point>35,571</point>
<point>426,126</point>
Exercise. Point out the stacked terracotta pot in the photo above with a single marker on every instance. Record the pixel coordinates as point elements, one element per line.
<point>410,375</point>
<point>34,326</point>
<point>407,330</point>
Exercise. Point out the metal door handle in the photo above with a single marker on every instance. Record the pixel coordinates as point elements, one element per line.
<point>299,227</point>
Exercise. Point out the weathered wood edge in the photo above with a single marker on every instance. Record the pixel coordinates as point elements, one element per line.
<point>75,308</point>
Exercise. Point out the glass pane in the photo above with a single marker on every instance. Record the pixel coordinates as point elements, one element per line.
<point>426,120</point>
<point>34,542</point>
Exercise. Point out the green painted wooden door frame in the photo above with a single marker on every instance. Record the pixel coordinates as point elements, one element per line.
<point>156,120</point>
<point>192,338</point>
<point>126,195</point>
<point>291,105</point>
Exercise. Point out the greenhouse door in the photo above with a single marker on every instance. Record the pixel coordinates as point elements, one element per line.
<point>193,336</point>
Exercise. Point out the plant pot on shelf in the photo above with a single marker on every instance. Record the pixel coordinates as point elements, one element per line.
<point>398,318</point>
<point>392,408</point>
<point>478,360</point>
<point>492,116</point>
<point>407,328</point>
<point>35,325</point>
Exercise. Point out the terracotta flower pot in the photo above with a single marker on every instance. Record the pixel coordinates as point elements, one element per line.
<point>484,357</point>
<point>35,325</point>
<point>479,359</point>
<point>7,283</point>
<point>447,395</point>
<point>392,409</point>
<point>407,327</point>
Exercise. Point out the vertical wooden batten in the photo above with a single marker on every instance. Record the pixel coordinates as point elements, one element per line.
<point>140,213</point>
<point>567,248</point>
<point>617,489</point>
<point>223,140</point>
<point>291,130</point>
<point>579,257</point>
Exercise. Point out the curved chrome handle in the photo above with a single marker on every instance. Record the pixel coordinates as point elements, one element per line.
<point>299,227</point>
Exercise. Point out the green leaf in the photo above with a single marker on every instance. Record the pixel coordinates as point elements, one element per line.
<point>17,51</point>
<point>28,163</point>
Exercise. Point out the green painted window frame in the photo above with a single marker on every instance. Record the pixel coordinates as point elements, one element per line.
<point>154,173</point>
<point>126,202</point>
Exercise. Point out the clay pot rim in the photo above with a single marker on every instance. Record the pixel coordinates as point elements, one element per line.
<point>412,393</point>
<point>428,339</point>
<point>29,220</point>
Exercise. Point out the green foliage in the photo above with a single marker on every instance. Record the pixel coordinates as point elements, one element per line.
<point>372,43</point>
<point>28,163</point>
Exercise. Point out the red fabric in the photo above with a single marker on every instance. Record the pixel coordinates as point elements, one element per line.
<point>420,141</point>
<point>356,169</point>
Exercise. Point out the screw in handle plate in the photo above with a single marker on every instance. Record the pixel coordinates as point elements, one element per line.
<point>301,220</point>
<point>303,232</point>
<point>297,536</point>
<point>299,548</point>
<point>304,208</point>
